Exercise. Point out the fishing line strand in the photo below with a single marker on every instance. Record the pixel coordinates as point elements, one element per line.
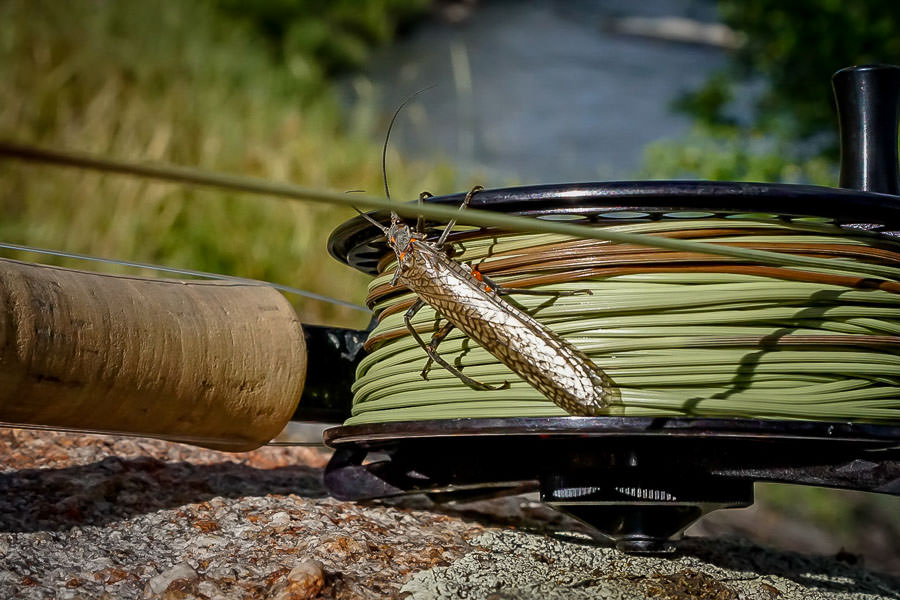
<point>188,272</point>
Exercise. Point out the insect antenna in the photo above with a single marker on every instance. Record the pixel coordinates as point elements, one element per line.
<point>387,137</point>
<point>372,221</point>
<point>365,216</point>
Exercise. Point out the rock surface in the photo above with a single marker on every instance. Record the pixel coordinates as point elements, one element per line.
<point>511,564</point>
<point>106,517</point>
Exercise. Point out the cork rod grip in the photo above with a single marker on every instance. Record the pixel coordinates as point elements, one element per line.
<point>216,364</point>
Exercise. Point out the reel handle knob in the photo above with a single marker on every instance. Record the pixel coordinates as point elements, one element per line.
<point>868,105</point>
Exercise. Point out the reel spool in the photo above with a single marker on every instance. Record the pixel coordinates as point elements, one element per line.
<point>643,480</point>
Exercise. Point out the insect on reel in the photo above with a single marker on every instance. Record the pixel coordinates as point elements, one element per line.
<point>641,479</point>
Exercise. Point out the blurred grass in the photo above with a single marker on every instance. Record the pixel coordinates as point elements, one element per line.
<point>185,83</point>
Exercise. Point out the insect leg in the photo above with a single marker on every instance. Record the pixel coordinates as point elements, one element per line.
<point>503,291</point>
<point>432,355</point>
<point>436,339</point>
<point>420,222</point>
<point>451,224</point>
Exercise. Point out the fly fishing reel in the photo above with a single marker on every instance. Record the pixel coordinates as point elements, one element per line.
<point>641,478</point>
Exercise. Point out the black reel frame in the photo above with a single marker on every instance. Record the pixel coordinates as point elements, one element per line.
<point>641,481</point>
<point>637,480</point>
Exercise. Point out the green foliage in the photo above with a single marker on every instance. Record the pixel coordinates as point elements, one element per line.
<point>794,47</point>
<point>326,36</point>
<point>791,51</point>
<point>729,153</point>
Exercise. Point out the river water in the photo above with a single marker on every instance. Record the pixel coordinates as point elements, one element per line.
<point>542,90</point>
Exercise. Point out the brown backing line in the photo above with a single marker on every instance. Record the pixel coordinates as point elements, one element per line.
<point>488,233</point>
<point>565,263</point>
<point>773,272</point>
<point>564,257</point>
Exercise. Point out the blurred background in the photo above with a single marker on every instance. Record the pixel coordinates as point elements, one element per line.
<point>524,92</point>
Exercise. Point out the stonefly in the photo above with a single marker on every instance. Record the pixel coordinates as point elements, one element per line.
<point>472,302</point>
